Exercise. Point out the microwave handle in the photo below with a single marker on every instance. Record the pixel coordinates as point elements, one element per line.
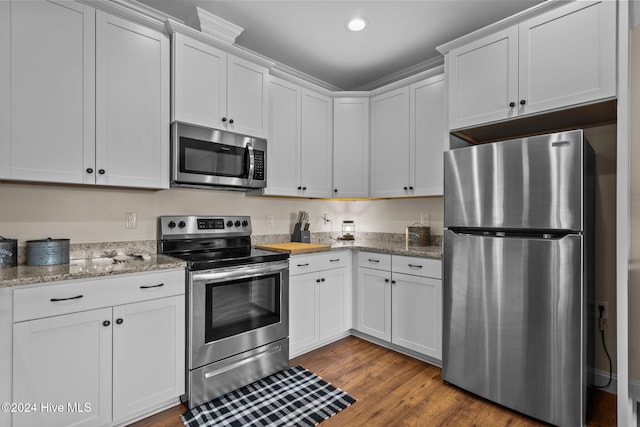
<point>251,163</point>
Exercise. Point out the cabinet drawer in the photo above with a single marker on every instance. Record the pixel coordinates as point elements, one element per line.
<point>415,266</point>
<point>301,264</point>
<point>80,295</point>
<point>374,260</point>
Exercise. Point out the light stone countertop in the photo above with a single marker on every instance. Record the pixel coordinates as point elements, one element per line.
<point>392,248</point>
<point>84,269</point>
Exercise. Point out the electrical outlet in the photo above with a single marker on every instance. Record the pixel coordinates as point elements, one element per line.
<point>270,221</point>
<point>130,220</point>
<point>605,312</point>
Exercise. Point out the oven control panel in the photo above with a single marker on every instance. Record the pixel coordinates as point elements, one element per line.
<point>180,226</point>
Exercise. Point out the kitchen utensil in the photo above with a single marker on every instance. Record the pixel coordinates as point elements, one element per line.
<point>8,252</point>
<point>48,251</point>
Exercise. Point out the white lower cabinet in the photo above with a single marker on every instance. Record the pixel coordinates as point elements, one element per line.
<point>401,308</point>
<point>319,300</point>
<point>103,365</point>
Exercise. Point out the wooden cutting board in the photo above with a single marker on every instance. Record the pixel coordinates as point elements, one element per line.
<point>294,247</point>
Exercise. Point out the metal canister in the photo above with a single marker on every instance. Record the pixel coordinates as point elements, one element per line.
<point>8,252</point>
<point>48,251</point>
<point>418,236</point>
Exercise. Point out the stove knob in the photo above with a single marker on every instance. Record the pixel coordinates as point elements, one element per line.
<point>245,223</point>
<point>237,224</point>
<point>181,224</point>
<point>229,223</point>
<point>171,224</point>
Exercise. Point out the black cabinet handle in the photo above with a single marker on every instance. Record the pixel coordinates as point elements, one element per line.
<point>322,280</point>
<point>224,119</point>
<point>335,190</point>
<point>393,282</point>
<point>304,188</point>
<point>101,171</point>
<point>522,102</point>
<point>386,280</point>
<point>106,323</point>
<point>299,188</point>
<point>415,266</point>
<point>151,286</point>
<point>373,260</point>
<point>303,265</point>
<point>405,188</point>
<point>410,188</point>
<point>231,121</point>
<point>317,280</point>
<point>89,170</point>
<point>119,321</point>
<point>512,104</point>
<point>66,299</point>
<point>334,260</point>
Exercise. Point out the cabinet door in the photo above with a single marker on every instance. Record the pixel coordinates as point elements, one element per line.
<point>374,293</point>
<point>5,90</point>
<point>132,100</point>
<point>483,80</point>
<point>199,83</point>
<point>64,360</point>
<point>247,94</point>
<point>148,355</point>
<point>334,303</point>
<point>351,147</point>
<point>303,312</point>
<point>390,144</point>
<point>417,314</point>
<point>428,136</point>
<point>316,152</point>
<point>283,146</point>
<point>53,93</point>
<point>568,56</point>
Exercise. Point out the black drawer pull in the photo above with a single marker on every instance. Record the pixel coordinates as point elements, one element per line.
<point>106,323</point>
<point>66,299</point>
<point>303,265</point>
<point>119,321</point>
<point>334,260</point>
<point>151,286</point>
<point>373,260</point>
<point>415,266</point>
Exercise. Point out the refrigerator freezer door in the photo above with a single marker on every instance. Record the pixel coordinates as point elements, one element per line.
<point>530,183</point>
<point>513,311</point>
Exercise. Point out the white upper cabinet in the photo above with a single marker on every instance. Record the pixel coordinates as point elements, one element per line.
<point>407,140</point>
<point>558,59</point>
<point>299,148</point>
<point>316,137</point>
<point>351,147</point>
<point>428,136</point>
<point>89,95</point>
<point>214,89</point>
<point>132,104</point>
<point>51,136</point>
<point>390,144</point>
<point>568,56</point>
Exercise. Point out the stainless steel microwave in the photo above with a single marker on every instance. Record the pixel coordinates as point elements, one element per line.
<point>212,158</point>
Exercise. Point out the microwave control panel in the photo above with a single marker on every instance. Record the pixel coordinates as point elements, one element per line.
<point>258,165</point>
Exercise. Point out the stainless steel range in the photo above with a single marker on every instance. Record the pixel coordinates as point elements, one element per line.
<point>237,303</point>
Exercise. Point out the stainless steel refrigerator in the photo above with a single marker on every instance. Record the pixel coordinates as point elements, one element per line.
<point>518,273</point>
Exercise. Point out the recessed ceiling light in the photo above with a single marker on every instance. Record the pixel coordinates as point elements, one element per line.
<point>356,24</point>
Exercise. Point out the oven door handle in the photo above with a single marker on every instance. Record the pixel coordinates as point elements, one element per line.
<point>243,272</point>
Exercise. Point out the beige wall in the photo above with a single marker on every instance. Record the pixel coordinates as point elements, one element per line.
<point>91,214</point>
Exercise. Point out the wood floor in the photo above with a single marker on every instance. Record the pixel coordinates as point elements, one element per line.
<point>396,390</point>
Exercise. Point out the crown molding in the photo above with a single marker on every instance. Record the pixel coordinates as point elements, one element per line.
<point>214,26</point>
<point>437,71</point>
<point>421,67</point>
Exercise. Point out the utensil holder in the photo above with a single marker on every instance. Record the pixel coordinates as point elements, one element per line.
<point>300,235</point>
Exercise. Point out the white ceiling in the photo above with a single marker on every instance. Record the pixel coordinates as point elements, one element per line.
<point>310,36</point>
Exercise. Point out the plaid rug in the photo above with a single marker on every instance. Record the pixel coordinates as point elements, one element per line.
<point>291,397</point>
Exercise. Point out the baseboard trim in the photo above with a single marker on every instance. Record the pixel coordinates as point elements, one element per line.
<point>397,348</point>
<point>600,378</point>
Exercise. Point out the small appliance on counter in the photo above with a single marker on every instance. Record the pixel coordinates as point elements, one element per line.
<point>418,235</point>
<point>8,252</point>
<point>348,230</point>
<point>301,231</point>
<point>48,251</point>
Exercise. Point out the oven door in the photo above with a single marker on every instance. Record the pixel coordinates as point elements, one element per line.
<point>236,309</point>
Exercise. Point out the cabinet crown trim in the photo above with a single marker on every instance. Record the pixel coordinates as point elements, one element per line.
<point>214,26</point>
<point>501,25</point>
